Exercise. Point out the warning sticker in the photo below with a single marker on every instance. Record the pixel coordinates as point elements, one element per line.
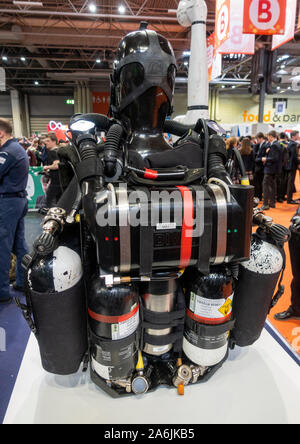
<point>227,307</point>
<point>126,328</point>
<point>101,370</point>
<point>210,308</point>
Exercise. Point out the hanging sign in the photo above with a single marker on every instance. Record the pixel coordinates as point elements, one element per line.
<point>210,54</point>
<point>237,43</point>
<point>101,102</point>
<point>291,11</point>
<point>280,108</point>
<point>214,59</point>
<point>58,128</point>
<point>222,22</point>
<point>217,66</point>
<point>264,17</point>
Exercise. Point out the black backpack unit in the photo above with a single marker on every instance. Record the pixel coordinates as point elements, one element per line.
<point>137,271</point>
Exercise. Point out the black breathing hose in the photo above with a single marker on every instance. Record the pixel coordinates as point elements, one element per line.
<point>179,129</point>
<point>176,128</point>
<point>87,147</point>
<point>216,168</point>
<point>112,151</point>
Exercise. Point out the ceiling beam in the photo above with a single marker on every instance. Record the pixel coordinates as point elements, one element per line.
<point>88,15</point>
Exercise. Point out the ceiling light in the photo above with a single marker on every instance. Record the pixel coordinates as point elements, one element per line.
<point>186,53</point>
<point>278,87</point>
<point>98,61</point>
<point>223,86</point>
<point>23,59</point>
<point>282,72</point>
<point>284,57</point>
<point>122,9</point>
<point>186,63</point>
<point>233,87</point>
<point>23,3</point>
<point>36,83</point>
<point>4,58</point>
<point>92,7</point>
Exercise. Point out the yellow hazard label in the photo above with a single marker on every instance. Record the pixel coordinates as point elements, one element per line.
<point>226,308</point>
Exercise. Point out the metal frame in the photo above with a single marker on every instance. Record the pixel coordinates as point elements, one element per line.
<point>64,36</point>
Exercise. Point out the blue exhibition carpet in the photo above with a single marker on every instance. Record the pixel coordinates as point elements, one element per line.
<point>14,331</point>
<point>17,334</point>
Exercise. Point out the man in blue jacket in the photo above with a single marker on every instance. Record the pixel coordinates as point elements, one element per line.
<point>271,167</point>
<point>14,169</point>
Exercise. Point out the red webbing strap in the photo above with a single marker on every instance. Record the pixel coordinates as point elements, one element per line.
<point>187,226</point>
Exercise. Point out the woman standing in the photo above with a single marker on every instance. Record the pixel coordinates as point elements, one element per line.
<point>248,158</point>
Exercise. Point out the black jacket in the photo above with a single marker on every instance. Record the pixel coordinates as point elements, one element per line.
<point>274,159</point>
<point>249,162</point>
<point>260,153</point>
<point>293,156</point>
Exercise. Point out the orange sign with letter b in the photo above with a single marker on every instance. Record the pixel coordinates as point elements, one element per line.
<point>266,17</point>
<point>222,25</point>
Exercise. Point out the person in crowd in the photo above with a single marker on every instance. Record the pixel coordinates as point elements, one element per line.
<point>14,170</point>
<point>271,163</point>
<point>282,177</point>
<point>54,190</point>
<point>43,151</point>
<point>41,201</point>
<point>292,167</point>
<point>293,312</point>
<point>279,170</point>
<point>259,153</point>
<point>248,158</point>
<point>231,144</point>
<point>36,149</point>
<point>31,156</point>
<point>250,139</point>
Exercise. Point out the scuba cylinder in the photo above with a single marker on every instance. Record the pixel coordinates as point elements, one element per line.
<point>57,302</point>
<point>113,322</point>
<point>257,281</point>
<point>55,295</point>
<point>208,318</point>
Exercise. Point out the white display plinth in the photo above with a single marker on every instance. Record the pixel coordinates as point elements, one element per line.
<point>260,384</point>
